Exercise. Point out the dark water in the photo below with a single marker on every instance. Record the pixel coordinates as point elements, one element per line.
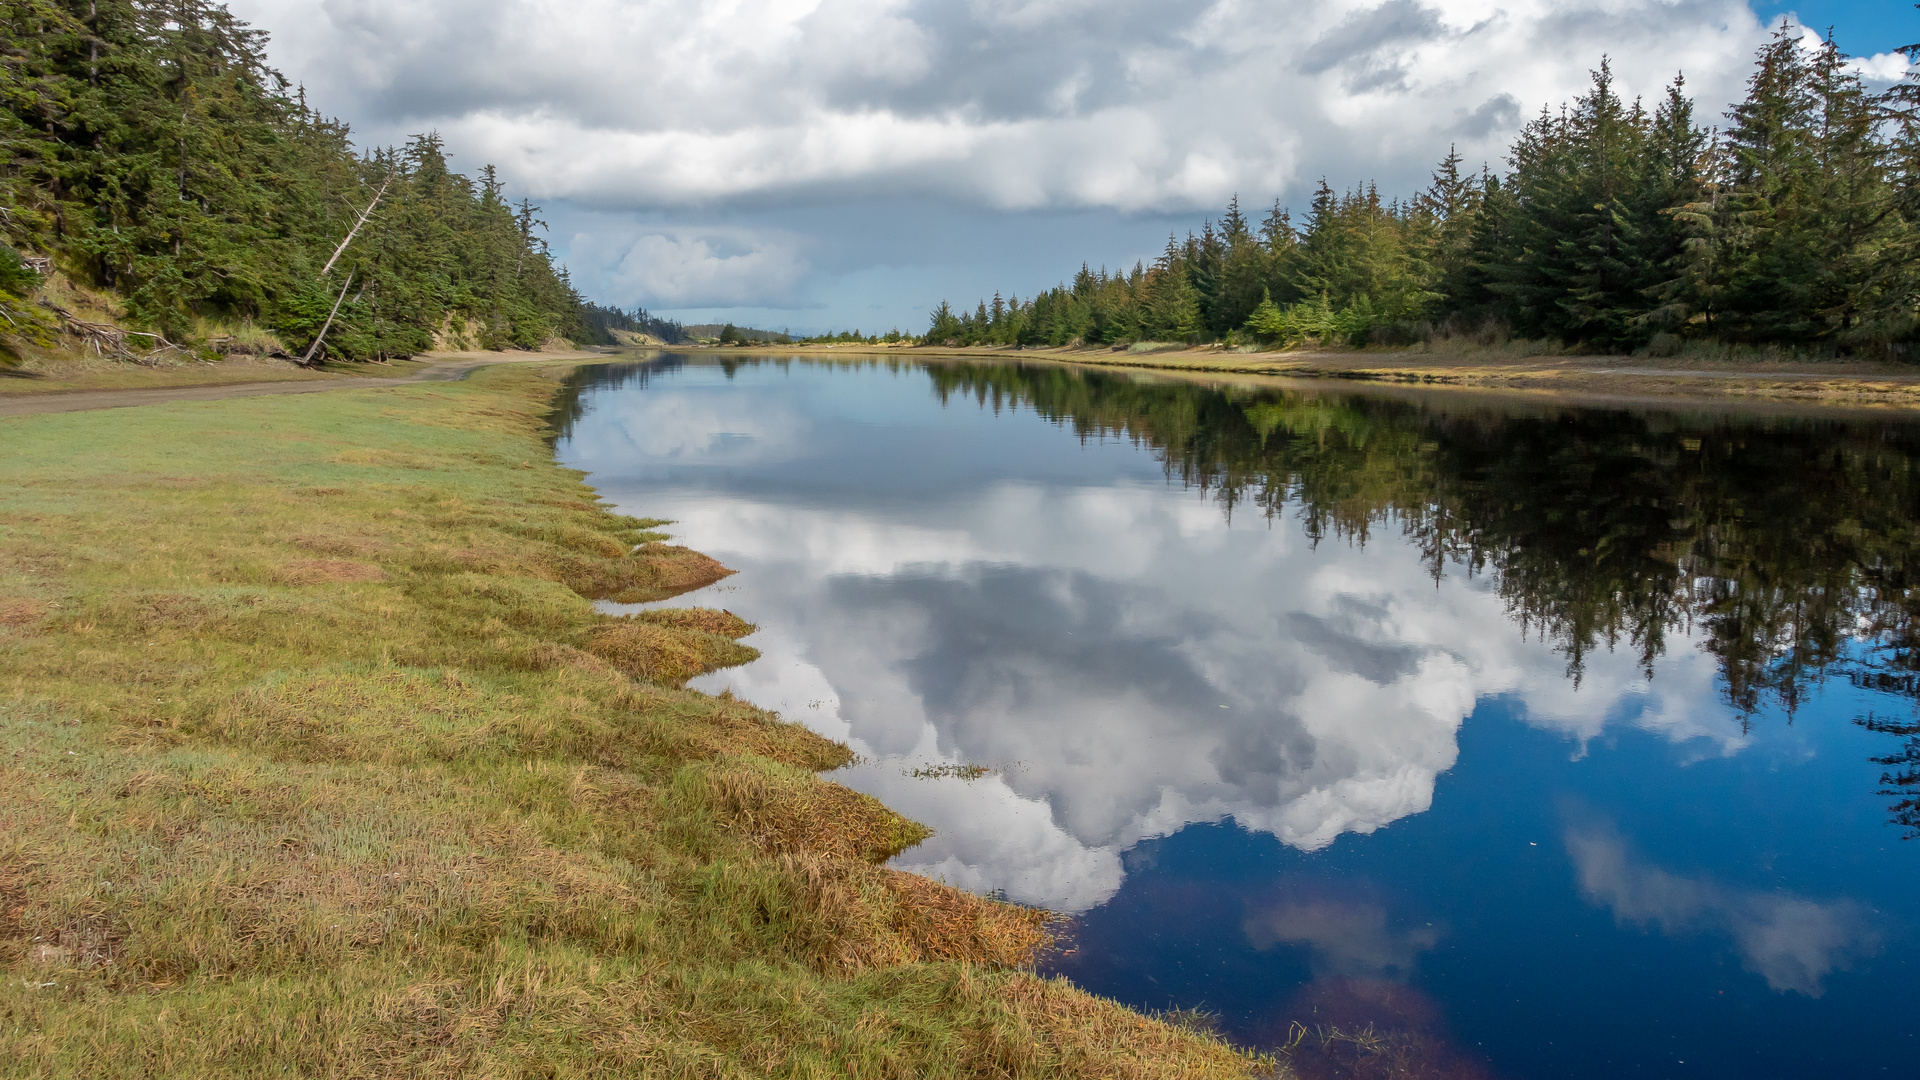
<point>1426,736</point>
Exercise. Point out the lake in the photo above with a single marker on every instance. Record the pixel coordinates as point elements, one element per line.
<point>1432,735</point>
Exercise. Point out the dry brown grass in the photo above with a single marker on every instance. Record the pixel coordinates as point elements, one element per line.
<point>328,571</point>
<point>665,654</point>
<point>21,612</point>
<point>789,813</point>
<point>946,924</point>
<point>854,916</point>
<point>323,764</point>
<point>705,620</point>
<point>1099,1040</point>
<point>663,571</point>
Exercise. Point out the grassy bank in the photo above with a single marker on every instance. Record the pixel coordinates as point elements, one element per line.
<point>320,763</point>
<point>72,372</point>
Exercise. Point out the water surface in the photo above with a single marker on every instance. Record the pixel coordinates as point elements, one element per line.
<point>1461,737</point>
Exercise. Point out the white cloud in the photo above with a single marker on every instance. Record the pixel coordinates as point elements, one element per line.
<point>1132,104</point>
<point>684,268</point>
<point>1791,941</point>
<point>1885,67</point>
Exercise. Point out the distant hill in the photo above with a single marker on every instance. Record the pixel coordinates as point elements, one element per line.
<point>611,326</point>
<point>719,332</point>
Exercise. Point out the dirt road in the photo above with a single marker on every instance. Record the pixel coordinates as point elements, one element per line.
<point>445,370</point>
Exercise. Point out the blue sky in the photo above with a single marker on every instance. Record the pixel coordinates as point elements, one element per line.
<point>1863,26</point>
<point>820,164</point>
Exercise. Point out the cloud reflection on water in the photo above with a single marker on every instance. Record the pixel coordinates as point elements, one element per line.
<point>1084,640</point>
<point>1126,658</point>
<point>1791,941</point>
<point>1345,937</point>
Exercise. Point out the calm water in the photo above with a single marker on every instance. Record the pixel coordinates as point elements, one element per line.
<point>1463,738</point>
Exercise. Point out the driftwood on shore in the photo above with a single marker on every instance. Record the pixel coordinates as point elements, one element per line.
<point>107,340</point>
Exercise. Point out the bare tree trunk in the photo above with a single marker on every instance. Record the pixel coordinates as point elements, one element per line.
<point>307,360</point>
<point>337,252</point>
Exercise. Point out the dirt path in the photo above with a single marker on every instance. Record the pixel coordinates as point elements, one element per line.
<point>450,369</point>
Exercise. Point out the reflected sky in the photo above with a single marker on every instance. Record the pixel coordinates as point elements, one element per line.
<point>1230,747</point>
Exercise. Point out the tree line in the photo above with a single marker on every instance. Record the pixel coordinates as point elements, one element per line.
<point>1614,227</point>
<point>147,149</point>
<point>730,334</point>
<point>600,321</point>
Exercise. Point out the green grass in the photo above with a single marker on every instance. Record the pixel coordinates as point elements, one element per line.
<point>318,762</point>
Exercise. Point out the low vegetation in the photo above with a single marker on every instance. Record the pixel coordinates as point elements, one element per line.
<point>320,762</point>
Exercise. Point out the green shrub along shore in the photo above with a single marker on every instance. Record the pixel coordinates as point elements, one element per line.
<point>319,762</point>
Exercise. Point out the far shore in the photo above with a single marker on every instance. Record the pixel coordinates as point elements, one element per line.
<point>1850,383</point>
<point>1502,372</point>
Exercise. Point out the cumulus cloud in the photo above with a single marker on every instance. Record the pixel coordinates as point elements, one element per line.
<point>1888,67</point>
<point>689,268</point>
<point>1128,104</point>
<point>1791,941</point>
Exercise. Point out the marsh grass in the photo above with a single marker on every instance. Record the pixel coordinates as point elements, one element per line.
<point>318,762</point>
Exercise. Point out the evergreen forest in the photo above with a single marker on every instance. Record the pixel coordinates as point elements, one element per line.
<point>1615,226</point>
<point>149,152</point>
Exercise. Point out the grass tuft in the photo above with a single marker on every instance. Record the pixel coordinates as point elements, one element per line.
<point>666,654</point>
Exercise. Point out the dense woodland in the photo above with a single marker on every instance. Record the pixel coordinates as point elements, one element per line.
<point>146,149</point>
<point>1615,226</point>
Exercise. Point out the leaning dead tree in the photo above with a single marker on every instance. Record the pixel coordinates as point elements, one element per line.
<point>351,233</point>
<point>313,350</point>
<point>307,360</point>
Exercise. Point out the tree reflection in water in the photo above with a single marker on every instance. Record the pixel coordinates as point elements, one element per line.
<point>1793,541</point>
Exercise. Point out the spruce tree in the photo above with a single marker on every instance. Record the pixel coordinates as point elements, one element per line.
<point>1773,159</point>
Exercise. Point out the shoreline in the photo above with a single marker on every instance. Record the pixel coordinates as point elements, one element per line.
<point>82,375</point>
<point>318,748</point>
<point>1577,380</point>
<point>1848,384</point>
<point>438,367</point>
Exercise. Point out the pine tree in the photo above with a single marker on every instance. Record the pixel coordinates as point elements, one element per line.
<point>1852,201</point>
<point>1896,310</point>
<point>1444,215</point>
<point>1773,159</point>
<point>150,150</point>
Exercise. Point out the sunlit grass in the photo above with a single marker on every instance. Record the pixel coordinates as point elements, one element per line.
<point>319,762</point>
